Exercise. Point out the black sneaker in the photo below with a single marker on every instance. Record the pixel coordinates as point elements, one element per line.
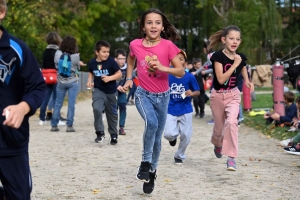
<point>178,161</point>
<point>202,115</point>
<point>197,114</point>
<point>143,172</point>
<point>62,118</point>
<point>48,116</point>
<point>173,143</point>
<point>149,187</point>
<point>295,149</point>
<point>100,136</point>
<point>113,139</point>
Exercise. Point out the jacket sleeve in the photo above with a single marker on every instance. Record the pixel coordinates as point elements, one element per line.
<point>34,83</point>
<point>291,112</point>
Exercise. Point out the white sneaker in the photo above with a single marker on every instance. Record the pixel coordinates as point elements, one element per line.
<point>41,123</point>
<point>61,123</point>
<point>292,129</point>
<point>285,143</point>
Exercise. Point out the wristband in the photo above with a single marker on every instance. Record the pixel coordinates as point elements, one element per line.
<point>128,79</point>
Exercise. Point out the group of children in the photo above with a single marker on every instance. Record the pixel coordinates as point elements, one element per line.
<point>291,119</point>
<point>163,96</point>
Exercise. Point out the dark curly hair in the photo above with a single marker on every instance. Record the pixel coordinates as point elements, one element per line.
<point>69,45</point>
<point>169,32</point>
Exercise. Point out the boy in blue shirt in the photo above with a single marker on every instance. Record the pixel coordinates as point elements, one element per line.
<point>103,73</point>
<point>180,110</point>
<point>22,90</point>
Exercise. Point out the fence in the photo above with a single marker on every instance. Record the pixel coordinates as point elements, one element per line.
<point>83,76</point>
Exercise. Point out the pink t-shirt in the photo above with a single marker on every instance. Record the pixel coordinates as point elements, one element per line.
<point>153,81</point>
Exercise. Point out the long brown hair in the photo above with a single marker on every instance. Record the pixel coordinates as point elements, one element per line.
<point>169,31</point>
<point>215,39</point>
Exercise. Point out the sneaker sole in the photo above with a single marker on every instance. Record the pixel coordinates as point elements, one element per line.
<point>143,180</point>
<point>178,163</point>
<point>231,169</point>
<point>98,141</point>
<point>291,152</point>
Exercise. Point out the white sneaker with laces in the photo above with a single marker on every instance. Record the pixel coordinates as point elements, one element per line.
<point>61,123</point>
<point>285,143</point>
<point>41,123</point>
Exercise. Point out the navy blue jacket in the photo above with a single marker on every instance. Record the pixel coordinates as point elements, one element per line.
<point>20,80</point>
<point>290,113</point>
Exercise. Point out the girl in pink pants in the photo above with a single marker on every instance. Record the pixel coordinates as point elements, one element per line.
<point>225,96</point>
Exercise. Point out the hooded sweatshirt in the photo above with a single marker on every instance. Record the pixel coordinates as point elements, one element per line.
<point>20,80</point>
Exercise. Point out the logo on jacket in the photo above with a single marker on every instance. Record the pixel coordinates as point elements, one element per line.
<point>6,69</point>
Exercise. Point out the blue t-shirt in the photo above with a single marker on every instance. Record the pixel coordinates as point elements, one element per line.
<point>98,69</point>
<point>177,105</point>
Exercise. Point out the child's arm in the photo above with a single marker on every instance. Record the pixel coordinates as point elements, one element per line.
<point>178,70</point>
<point>246,79</point>
<point>130,66</point>
<point>223,77</point>
<point>89,83</point>
<point>115,76</point>
<point>191,93</point>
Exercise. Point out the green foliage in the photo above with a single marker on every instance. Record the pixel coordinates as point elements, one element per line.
<point>266,26</point>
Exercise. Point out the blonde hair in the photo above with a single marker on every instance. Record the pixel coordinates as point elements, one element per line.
<point>3,6</point>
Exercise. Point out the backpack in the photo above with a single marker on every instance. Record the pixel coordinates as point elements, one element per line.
<point>65,65</point>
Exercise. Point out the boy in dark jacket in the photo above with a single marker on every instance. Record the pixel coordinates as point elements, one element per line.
<point>290,110</point>
<point>22,90</point>
<point>199,101</point>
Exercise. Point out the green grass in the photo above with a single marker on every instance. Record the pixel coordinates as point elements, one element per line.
<point>259,123</point>
<point>262,101</point>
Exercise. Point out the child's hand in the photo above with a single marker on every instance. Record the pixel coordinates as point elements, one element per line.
<point>16,114</point>
<point>119,88</point>
<point>89,84</point>
<point>128,84</point>
<point>188,93</point>
<point>106,78</point>
<point>237,60</point>
<point>250,85</point>
<point>155,64</point>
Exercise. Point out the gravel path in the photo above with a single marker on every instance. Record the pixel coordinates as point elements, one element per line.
<point>72,166</point>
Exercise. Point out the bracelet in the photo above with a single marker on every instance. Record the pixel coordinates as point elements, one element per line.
<point>128,79</point>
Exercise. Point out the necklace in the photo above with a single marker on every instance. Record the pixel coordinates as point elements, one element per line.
<point>151,42</point>
<point>228,53</point>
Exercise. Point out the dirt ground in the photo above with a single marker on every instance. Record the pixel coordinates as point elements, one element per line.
<point>72,166</point>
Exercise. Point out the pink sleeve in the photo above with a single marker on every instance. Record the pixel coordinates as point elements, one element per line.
<point>173,50</point>
<point>131,53</point>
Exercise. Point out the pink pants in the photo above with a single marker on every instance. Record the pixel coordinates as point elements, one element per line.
<point>225,110</point>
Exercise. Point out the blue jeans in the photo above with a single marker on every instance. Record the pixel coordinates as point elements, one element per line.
<point>153,109</point>
<point>61,90</point>
<point>122,108</point>
<point>51,92</point>
<point>51,102</point>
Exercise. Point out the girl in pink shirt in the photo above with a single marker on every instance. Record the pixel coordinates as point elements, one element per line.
<point>153,54</point>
